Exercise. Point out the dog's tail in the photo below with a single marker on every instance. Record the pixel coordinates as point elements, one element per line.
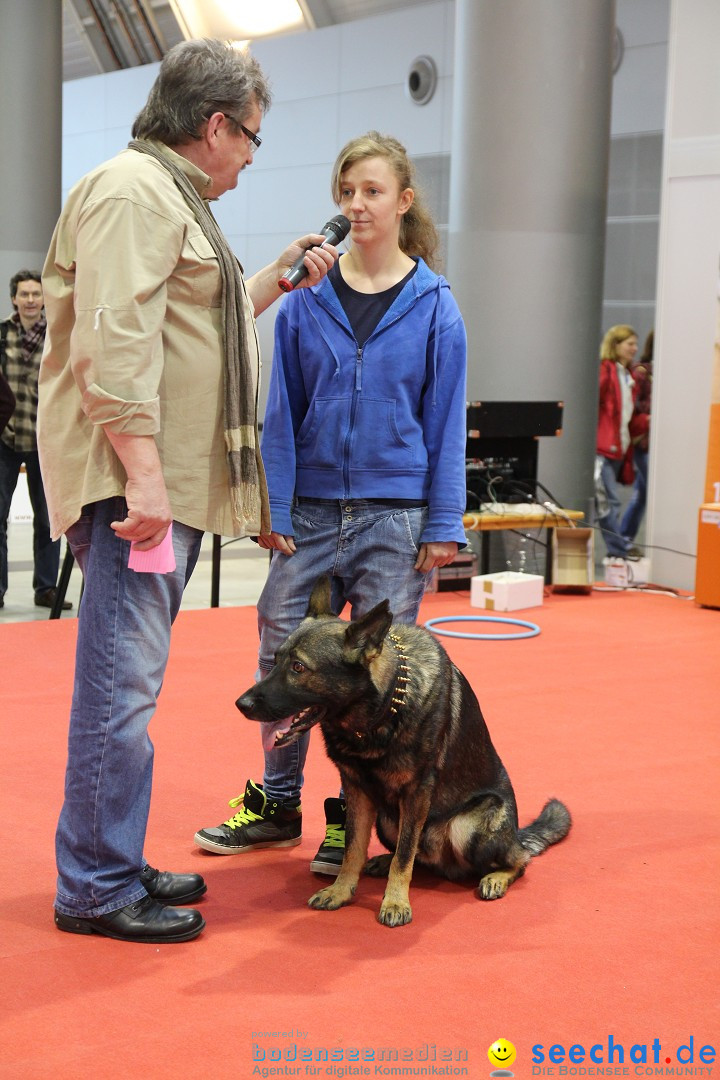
<point>550,827</point>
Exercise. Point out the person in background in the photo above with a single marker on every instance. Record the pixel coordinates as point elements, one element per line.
<point>364,446</point>
<point>22,337</point>
<point>617,353</point>
<point>7,402</point>
<point>639,428</point>
<point>148,437</point>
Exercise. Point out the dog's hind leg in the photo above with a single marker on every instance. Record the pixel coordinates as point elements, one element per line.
<point>395,909</point>
<point>360,818</point>
<point>495,884</point>
<point>378,866</point>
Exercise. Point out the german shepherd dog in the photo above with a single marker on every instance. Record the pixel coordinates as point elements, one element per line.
<point>405,729</point>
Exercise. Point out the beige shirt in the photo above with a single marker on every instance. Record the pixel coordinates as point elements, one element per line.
<point>135,343</point>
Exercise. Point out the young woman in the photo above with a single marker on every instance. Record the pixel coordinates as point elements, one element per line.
<point>364,450</point>
<point>639,428</point>
<point>617,353</point>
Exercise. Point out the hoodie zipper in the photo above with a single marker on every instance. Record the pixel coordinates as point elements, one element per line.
<point>358,379</point>
<point>353,410</point>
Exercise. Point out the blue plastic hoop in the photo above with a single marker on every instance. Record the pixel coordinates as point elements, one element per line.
<point>532,629</point>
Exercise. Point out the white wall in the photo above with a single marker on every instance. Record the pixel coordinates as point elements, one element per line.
<point>687,288</point>
<point>639,85</point>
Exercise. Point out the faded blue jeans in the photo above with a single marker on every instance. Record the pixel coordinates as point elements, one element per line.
<point>122,651</point>
<point>608,503</point>
<point>369,550</point>
<point>632,518</point>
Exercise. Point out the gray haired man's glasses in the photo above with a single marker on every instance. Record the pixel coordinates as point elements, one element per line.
<point>255,140</point>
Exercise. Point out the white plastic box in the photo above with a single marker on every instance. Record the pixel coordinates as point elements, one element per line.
<point>507,591</point>
<point>624,573</point>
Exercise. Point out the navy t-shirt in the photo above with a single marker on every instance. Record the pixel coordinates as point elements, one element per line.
<point>365,310</point>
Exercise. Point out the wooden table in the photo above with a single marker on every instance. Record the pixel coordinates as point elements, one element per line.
<point>492,517</point>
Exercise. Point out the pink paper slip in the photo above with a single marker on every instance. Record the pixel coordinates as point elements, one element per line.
<point>157,560</point>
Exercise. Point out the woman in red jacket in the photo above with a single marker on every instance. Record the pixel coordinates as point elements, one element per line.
<point>639,427</point>
<point>617,353</point>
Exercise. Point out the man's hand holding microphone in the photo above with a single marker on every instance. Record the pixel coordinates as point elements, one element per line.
<point>332,234</point>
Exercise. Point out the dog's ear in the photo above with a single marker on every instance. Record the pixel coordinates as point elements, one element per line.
<point>364,638</point>
<point>319,604</point>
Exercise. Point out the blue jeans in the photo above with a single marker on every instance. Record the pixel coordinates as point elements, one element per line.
<point>46,551</point>
<point>636,507</point>
<point>369,551</point>
<point>122,651</point>
<point>609,509</point>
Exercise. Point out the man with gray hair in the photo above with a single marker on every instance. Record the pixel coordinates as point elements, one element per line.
<point>148,438</point>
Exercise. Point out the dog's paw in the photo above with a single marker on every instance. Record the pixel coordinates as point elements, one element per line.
<point>331,898</point>
<point>394,914</point>
<point>378,866</point>
<point>492,886</point>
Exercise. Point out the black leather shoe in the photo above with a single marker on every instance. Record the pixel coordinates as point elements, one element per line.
<point>47,599</point>
<point>172,888</point>
<point>146,920</point>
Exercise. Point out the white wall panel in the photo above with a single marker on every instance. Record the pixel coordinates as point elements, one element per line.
<point>643,22</point>
<point>231,211</point>
<point>379,51</point>
<point>687,294</point>
<point>126,93</point>
<point>695,103</point>
<point>84,105</point>
<point>301,65</point>
<point>638,97</point>
<point>291,201</point>
<point>390,111</point>
<point>116,139</point>
<point>302,132</point>
<point>81,153</point>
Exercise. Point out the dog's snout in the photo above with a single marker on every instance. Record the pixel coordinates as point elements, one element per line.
<point>247,703</point>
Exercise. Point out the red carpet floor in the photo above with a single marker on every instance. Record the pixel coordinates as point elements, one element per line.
<point>609,942</point>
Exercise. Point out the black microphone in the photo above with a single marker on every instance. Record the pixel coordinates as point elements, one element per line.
<point>335,231</point>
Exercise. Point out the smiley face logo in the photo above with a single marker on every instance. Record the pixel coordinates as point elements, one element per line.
<point>501,1054</point>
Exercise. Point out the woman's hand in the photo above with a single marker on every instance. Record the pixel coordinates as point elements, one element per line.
<point>277,542</point>
<point>434,554</point>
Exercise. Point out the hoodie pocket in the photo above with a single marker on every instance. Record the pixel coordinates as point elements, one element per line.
<point>377,442</point>
<point>321,438</point>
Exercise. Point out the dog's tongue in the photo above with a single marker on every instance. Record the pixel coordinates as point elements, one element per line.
<point>271,731</point>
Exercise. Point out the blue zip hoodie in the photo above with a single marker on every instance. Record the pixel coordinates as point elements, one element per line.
<point>385,421</point>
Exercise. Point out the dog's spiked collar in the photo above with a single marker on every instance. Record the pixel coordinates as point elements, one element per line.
<point>401,680</point>
<point>403,676</point>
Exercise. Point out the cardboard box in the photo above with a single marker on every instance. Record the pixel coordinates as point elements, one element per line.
<point>573,559</point>
<point>707,573</point>
<point>506,591</point>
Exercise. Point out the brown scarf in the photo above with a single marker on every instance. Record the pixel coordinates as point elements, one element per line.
<point>248,490</point>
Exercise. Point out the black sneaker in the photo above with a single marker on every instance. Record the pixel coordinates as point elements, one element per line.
<point>332,850</point>
<point>259,823</point>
